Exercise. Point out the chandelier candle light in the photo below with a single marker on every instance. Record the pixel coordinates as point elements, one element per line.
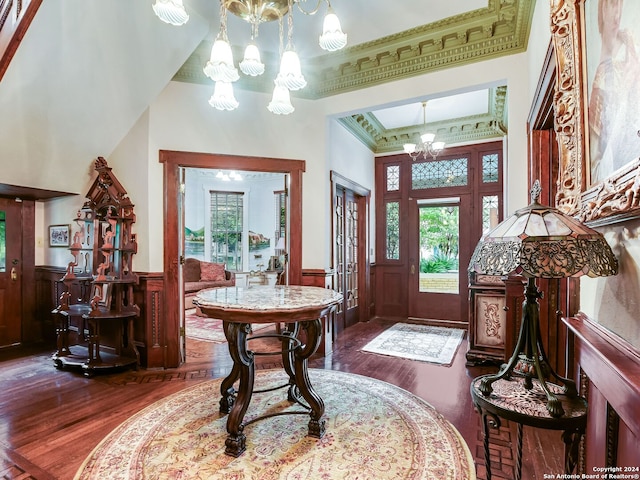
<point>427,145</point>
<point>220,67</point>
<point>539,242</point>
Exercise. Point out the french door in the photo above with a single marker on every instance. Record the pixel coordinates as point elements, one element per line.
<point>347,264</point>
<point>438,254</point>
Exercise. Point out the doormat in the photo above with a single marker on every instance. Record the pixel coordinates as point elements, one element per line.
<point>418,342</point>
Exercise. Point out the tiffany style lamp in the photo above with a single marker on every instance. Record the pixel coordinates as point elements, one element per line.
<point>539,242</point>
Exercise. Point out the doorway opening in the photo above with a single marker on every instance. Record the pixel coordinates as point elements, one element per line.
<point>175,165</point>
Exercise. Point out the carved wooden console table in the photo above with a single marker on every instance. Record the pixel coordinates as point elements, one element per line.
<point>300,308</point>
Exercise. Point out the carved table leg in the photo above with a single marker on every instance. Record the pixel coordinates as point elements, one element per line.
<point>244,368</point>
<point>519,452</point>
<point>313,329</point>
<point>489,421</point>
<point>227,392</point>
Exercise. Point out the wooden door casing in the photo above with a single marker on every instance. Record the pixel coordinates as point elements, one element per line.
<point>172,161</point>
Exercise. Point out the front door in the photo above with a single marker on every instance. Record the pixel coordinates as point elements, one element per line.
<point>439,253</point>
<point>10,272</point>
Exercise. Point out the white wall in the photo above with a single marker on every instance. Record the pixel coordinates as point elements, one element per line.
<point>181,119</point>
<point>349,157</point>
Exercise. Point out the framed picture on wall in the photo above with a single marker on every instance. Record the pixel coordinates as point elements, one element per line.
<point>59,235</point>
<point>597,47</point>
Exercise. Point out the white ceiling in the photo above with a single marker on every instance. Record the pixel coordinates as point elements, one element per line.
<point>86,71</point>
<point>437,109</point>
<point>362,21</point>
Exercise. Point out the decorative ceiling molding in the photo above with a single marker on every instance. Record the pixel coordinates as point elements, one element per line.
<point>502,28</point>
<point>492,125</point>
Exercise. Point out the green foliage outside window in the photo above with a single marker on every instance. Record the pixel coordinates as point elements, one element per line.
<point>439,238</point>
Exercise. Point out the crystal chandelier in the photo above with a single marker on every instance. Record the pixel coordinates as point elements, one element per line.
<point>221,69</point>
<point>427,145</point>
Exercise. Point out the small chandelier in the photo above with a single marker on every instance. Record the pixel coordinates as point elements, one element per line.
<point>220,67</point>
<point>427,146</point>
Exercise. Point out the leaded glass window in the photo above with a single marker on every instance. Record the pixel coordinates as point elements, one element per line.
<point>490,168</point>
<point>393,230</point>
<point>439,173</point>
<point>489,212</point>
<point>393,178</point>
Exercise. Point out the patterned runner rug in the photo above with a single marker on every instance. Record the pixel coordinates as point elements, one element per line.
<point>374,431</point>
<point>209,329</point>
<point>418,342</point>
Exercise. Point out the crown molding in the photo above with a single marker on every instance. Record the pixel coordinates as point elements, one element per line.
<point>476,128</point>
<point>502,28</point>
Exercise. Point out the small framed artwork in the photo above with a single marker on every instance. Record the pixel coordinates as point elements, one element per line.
<point>59,235</point>
<point>103,292</point>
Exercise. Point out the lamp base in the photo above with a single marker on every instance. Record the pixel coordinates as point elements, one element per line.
<point>529,359</point>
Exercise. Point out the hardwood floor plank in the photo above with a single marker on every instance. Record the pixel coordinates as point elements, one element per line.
<point>44,409</point>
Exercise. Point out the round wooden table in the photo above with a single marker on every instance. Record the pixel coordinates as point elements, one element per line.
<point>301,309</point>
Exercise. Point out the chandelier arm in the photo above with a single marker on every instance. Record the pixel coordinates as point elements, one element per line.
<point>290,26</point>
<point>223,21</point>
<point>312,11</point>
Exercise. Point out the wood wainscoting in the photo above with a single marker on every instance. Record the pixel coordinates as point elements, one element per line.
<point>608,369</point>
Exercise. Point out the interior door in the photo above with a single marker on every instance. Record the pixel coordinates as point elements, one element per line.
<point>347,254</point>
<point>439,240</point>
<point>10,272</point>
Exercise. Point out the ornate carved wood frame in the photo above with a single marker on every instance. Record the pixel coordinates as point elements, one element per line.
<point>617,198</point>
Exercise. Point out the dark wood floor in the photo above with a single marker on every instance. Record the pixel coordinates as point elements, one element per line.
<point>50,420</point>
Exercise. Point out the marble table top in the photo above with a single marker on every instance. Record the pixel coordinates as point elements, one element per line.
<point>265,299</point>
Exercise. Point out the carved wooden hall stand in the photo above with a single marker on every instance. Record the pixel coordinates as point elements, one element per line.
<point>301,308</point>
<point>98,283</point>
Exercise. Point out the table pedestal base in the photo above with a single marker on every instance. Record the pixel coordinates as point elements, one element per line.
<point>295,357</point>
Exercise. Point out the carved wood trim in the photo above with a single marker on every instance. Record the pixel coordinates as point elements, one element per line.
<point>565,31</point>
<point>613,427</point>
<point>615,199</point>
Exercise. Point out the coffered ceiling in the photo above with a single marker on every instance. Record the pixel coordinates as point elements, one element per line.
<point>389,41</point>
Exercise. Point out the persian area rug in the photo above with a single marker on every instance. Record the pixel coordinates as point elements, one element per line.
<point>209,329</point>
<point>374,431</point>
<point>418,342</point>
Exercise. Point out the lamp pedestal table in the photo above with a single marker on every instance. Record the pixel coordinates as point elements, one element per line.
<point>301,308</point>
<point>511,400</point>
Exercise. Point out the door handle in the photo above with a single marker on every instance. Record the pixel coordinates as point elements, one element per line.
<point>14,274</point>
<point>413,269</point>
